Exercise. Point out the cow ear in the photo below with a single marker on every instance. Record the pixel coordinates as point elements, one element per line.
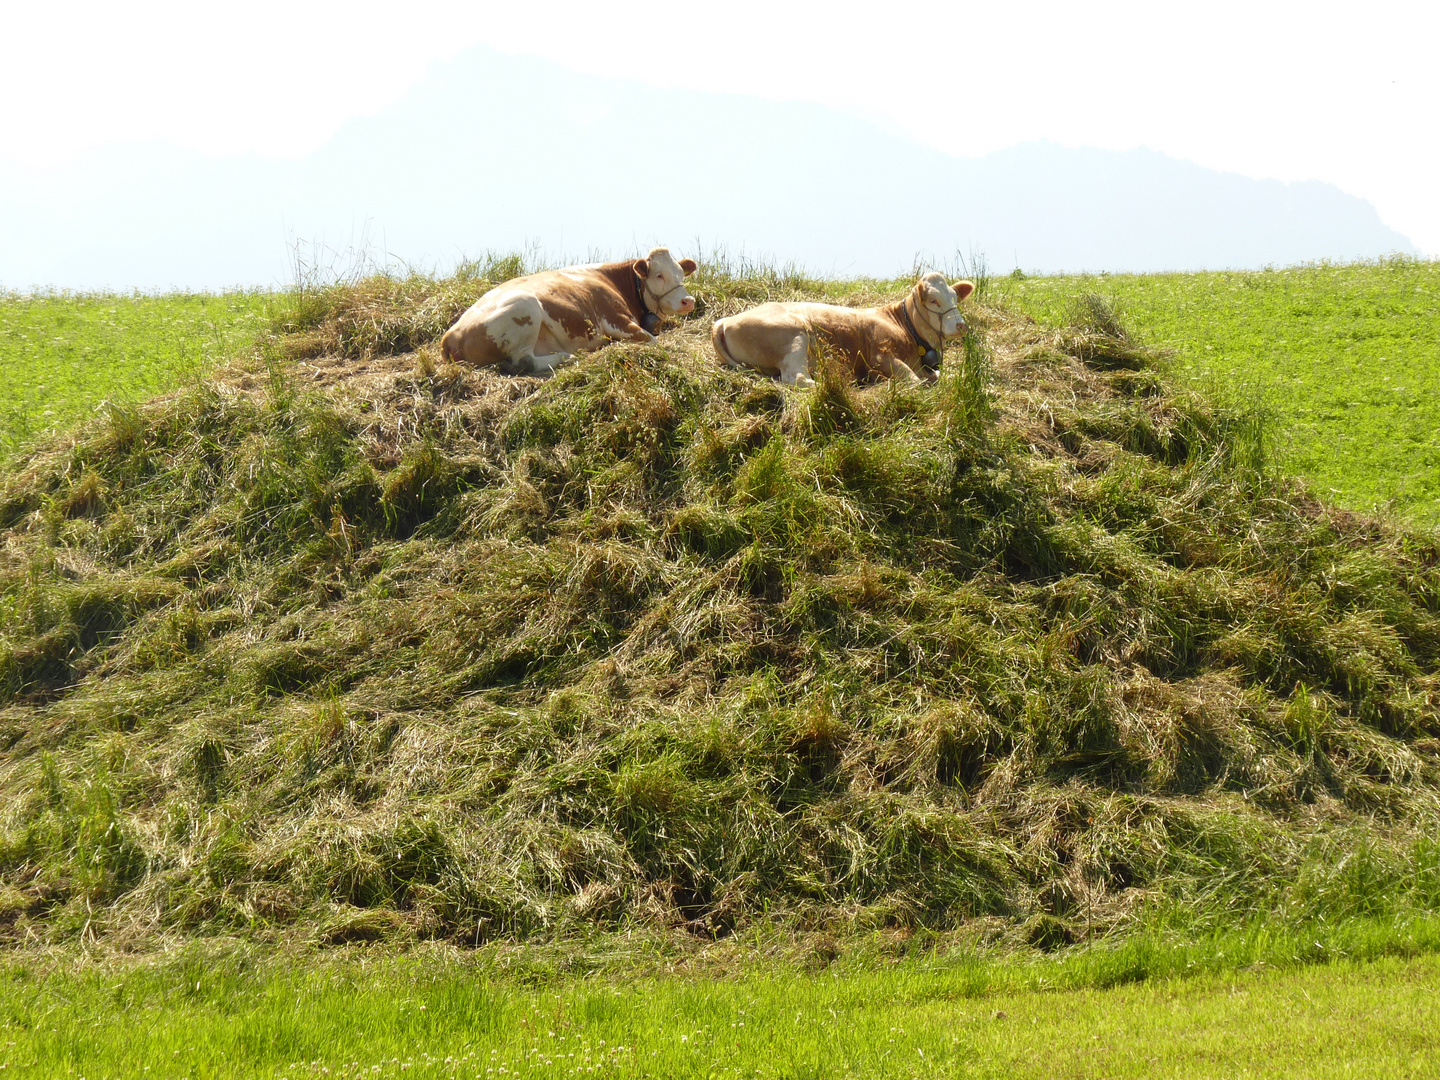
<point>642,268</point>
<point>963,289</point>
<point>689,266</point>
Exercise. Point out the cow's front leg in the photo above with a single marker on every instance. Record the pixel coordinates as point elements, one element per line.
<point>549,362</point>
<point>795,364</point>
<point>530,364</point>
<point>892,368</point>
<point>631,332</point>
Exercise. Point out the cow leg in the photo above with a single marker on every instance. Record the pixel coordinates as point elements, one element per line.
<point>549,362</point>
<point>630,331</point>
<point>894,369</point>
<point>795,364</point>
<point>514,329</point>
<point>530,364</point>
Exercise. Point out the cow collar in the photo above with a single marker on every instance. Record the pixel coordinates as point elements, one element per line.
<point>931,359</point>
<point>649,321</point>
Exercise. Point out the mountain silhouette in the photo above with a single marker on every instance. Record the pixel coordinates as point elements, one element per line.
<point>493,152</point>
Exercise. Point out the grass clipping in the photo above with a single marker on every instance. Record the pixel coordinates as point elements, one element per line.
<point>351,646</point>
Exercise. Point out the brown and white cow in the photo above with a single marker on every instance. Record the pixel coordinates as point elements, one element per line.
<point>535,322</point>
<point>903,340</point>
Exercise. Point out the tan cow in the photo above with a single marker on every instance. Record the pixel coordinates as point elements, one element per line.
<point>535,322</point>
<point>903,340</point>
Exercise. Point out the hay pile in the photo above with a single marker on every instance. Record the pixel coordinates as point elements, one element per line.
<point>347,646</point>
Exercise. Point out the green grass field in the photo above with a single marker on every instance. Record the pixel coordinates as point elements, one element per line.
<point>62,354</point>
<point>203,1015</point>
<point>1345,361</point>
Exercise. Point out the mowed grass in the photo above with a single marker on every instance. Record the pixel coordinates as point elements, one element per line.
<point>63,354</point>
<point>1345,360</point>
<point>424,1016</point>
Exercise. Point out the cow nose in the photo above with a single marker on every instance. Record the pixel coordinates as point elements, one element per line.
<point>687,305</point>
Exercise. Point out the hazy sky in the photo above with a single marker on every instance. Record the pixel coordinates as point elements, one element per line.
<point>1347,94</point>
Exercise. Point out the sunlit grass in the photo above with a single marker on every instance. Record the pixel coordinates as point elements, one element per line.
<point>62,354</point>
<point>1344,359</point>
<point>241,1015</point>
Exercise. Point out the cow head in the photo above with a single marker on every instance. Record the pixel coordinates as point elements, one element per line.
<point>939,304</point>
<point>663,283</point>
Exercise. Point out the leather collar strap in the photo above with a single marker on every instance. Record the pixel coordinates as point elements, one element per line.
<point>649,320</point>
<point>931,359</point>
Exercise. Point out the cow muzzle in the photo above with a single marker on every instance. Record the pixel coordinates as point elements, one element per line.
<point>669,303</point>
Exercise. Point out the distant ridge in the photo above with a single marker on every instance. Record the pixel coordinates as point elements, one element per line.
<point>498,152</point>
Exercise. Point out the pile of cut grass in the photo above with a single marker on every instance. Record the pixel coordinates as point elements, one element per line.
<point>354,646</point>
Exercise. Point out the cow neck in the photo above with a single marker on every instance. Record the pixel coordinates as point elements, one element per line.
<point>932,352</point>
<point>621,277</point>
<point>649,320</point>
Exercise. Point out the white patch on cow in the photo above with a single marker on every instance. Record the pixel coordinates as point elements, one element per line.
<point>553,338</point>
<point>513,323</point>
<point>795,364</point>
<point>499,297</point>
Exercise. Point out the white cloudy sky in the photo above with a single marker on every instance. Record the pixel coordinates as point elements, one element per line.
<point>1342,93</point>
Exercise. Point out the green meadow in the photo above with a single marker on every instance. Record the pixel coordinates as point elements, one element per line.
<point>1344,361</point>
<point>231,1016</point>
<point>63,354</point>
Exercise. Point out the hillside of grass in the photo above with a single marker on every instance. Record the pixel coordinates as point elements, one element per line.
<point>347,645</point>
<point>1345,360</point>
